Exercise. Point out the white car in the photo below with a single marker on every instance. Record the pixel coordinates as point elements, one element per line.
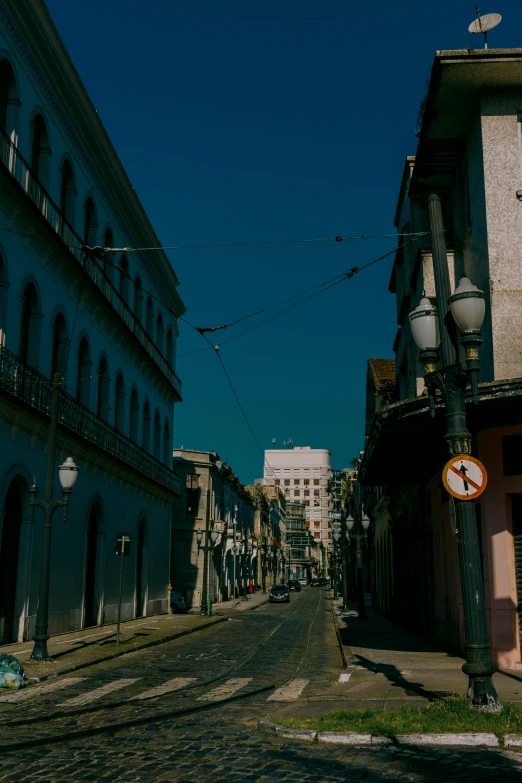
<point>303,581</point>
<point>177,603</point>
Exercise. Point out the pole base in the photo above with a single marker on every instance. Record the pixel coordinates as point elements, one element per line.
<point>482,695</point>
<point>40,652</point>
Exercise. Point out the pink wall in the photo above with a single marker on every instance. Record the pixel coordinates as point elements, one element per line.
<point>499,556</point>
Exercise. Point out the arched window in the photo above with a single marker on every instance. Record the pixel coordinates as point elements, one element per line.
<point>134,416</point>
<point>138,299</point>
<point>84,372</point>
<point>108,241</point>
<point>119,406</point>
<point>67,192</point>
<point>4,285</point>
<point>103,389</point>
<point>90,227</point>
<point>160,331</point>
<point>167,447</point>
<point>157,436</point>
<point>146,427</point>
<point>60,345</point>
<point>30,332</point>
<point>40,150</point>
<point>124,279</point>
<point>170,347</point>
<point>150,319</point>
<point>8,98</point>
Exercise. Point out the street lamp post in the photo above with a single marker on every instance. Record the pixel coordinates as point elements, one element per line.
<point>211,538</point>
<point>264,556</point>
<point>341,538</point>
<point>246,545</point>
<point>434,333</point>
<point>67,473</point>
<point>359,538</point>
<point>234,550</point>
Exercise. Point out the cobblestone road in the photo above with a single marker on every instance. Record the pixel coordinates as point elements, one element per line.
<point>218,744</point>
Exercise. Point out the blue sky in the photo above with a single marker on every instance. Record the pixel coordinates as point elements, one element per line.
<point>260,121</point>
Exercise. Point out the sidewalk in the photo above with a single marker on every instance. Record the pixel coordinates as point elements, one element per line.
<point>388,665</point>
<point>73,651</point>
<point>239,605</point>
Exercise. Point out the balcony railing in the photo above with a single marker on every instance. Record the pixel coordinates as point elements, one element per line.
<point>24,383</point>
<point>12,160</point>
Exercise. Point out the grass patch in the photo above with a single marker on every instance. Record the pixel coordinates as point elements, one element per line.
<point>446,716</point>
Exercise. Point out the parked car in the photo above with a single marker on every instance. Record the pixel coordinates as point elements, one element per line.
<point>316,582</point>
<point>177,603</point>
<point>293,584</point>
<point>278,593</point>
<point>303,581</point>
<point>324,581</point>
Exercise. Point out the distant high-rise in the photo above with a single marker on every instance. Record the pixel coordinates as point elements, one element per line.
<point>302,473</point>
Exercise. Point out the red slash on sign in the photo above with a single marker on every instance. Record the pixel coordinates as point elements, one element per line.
<point>462,473</point>
<point>464,477</point>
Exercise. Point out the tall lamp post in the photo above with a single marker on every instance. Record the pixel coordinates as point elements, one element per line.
<point>246,545</point>
<point>435,334</point>
<point>212,537</point>
<point>359,537</point>
<point>264,557</point>
<point>234,550</point>
<point>67,473</point>
<point>341,538</point>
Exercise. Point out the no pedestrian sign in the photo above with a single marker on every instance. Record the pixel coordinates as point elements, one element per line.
<point>464,477</point>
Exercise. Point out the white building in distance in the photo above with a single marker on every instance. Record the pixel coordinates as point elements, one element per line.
<point>302,473</point>
<point>107,326</point>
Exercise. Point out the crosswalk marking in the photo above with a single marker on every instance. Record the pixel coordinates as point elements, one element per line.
<point>289,692</point>
<point>29,693</point>
<point>97,693</point>
<point>225,690</point>
<point>171,685</point>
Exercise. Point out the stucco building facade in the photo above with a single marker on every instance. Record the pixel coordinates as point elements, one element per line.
<point>95,320</point>
<point>470,155</point>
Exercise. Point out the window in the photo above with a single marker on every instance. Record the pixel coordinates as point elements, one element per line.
<point>277,482</point>
<point>307,493</point>
<point>103,389</point>
<point>296,493</point>
<point>192,485</point>
<point>317,503</point>
<point>134,416</point>
<point>277,471</point>
<point>306,470</point>
<point>286,471</point>
<point>317,514</point>
<point>307,502</point>
<point>317,535</point>
<point>317,471</point>
<point>30,333</point>
<point>317,482</point>
<point>119,404</point>
<point>317,524</point>
<point>40,149</point>
<point>297,471</point>
<point>296,482</point>
<point>90,225</point>
<point>512,455</point>
<point>316,493</point>
<point>124,279</point>
<point>287,482</point>
<point>306,482</point>
<point>67,193</point>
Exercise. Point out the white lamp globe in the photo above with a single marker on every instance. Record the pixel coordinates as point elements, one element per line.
<point>199,536</point>
<point>468,307</point>
<point>68,473</point>
<point>214,536</point>
<point>365,521</point>
<point>424,324</point>
<point>336,536</point>
<point>349,522</point>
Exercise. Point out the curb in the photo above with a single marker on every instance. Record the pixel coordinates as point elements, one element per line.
<point>338,633</point>
<point>346,738</point>
<point>119,653</point>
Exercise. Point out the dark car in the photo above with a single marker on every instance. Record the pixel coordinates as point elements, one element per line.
<point>293,584</point>
<point>325,581</point>
<point>278,593</point>
<point>316,582</point>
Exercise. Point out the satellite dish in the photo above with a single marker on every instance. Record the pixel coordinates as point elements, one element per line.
<point>482,24</point>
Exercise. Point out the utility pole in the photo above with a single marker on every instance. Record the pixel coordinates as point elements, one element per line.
<point>204,596</point>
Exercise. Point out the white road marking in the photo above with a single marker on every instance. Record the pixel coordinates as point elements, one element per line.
<point>31,693</point>
<point>97,693</point>
<point>345,676</point>
<point>290,692</point>
<point>171,685</point>
<point>225,690</point>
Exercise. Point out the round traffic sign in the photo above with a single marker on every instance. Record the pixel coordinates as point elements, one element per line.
<point>464,477</point>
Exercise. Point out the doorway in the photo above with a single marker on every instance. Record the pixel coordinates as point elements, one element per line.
<point>9,555</point>
<point>93,567</point>
<point>142,570</point>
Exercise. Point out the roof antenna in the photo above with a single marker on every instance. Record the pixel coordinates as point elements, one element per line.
<point>482,24</point>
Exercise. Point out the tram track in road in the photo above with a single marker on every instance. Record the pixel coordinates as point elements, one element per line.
<point>143,713</point>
